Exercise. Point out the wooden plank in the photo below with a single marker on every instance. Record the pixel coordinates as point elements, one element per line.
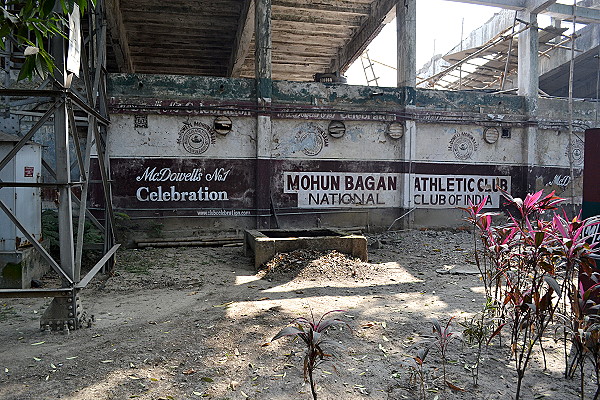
<point>243,40</point>
<point>331,9</point>
<point>303,26</point>
<point>222,24</point>
<point>317,19</point>
<point>189,9</point>
<point>118,35</point>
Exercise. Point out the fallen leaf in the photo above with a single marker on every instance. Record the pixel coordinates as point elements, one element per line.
<point>37,359</point>
<point>72,358</point>
<point>37,343</point>
<point>264,298</point>
<point>53,366</point>
<point>243,394</point>
<point>133,377</point>
<point>189,371</point>
<point>265,344</point>
<point>454,387</point>
<point>106,361</point>
<point>154,379</point>
<point>206,379</point>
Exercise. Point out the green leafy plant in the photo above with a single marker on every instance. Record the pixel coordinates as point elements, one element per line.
<point>478,331</point>
<point>30,24</point>
<point>313,335</point>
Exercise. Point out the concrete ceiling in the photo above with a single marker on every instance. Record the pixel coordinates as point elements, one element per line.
<point>215,37</point>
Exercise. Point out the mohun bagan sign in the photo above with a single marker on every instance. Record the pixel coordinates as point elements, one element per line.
<point>343,189</point>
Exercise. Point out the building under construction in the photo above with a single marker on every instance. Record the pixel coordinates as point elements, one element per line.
<point>191,118</point>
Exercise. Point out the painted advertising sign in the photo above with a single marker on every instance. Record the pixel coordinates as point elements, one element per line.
<point>449,191</point>
<point>191,187</point>
<point>343,189</point>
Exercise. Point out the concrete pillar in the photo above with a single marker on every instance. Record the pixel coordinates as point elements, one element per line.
<point>264,89</point>
<point>528,58</point>
<point>406,26</point>
<point>528,84</point>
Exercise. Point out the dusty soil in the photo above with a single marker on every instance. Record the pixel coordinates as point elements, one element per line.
<point>192,323</point>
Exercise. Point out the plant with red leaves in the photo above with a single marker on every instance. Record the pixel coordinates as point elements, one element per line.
<point>527,255</point>
<point>313,335</point>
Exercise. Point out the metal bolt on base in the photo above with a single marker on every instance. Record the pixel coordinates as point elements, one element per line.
<point>65,314</point>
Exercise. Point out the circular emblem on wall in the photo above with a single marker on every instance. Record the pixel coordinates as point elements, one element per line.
<point>337,129</point>
<point>576,152</point>
<point>195,138</point>
<point>491,135</point>
<point>463,145</point>
<point>311,139</point>
<point>395,130</point>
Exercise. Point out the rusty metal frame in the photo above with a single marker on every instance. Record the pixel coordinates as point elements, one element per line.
<point>65,102</point>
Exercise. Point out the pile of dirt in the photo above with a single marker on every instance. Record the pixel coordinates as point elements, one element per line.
<point>311,264</point>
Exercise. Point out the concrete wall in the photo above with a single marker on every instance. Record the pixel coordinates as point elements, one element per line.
<point>340,155</point>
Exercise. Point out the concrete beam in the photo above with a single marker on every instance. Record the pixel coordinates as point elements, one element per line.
<point>243,38</point>
<point>364,35</point>
<point>507,4</point>
<point>537,6</point>
<point>583,15</point>
<point>118,35</point>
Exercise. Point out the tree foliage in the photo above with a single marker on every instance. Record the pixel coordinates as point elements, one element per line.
<point>30,24</point>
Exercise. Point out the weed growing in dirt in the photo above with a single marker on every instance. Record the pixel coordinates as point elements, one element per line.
<point>313,335</point>
<point>478,331</point>
<point>6,312</point>
<point>416,372</point>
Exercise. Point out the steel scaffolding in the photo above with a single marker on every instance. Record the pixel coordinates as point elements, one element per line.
<point>68,102</point>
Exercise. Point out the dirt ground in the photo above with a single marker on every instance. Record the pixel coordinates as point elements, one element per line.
<point>193,323</point>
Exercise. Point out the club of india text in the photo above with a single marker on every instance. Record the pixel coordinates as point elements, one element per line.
<point>448,191</point>
<point>349,189</point>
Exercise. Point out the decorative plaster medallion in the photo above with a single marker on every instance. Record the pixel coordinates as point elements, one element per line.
<point>463,145</point>
<point>196,138</point>
<point>576,152</point>
<point>140,121</point>
<point>311,139</point>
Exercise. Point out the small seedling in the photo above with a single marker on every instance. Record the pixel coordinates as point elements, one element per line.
<point>313,335</point>
<point>443,336</point>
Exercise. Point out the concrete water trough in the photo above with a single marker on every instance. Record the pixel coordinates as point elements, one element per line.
<point>265,243</point>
